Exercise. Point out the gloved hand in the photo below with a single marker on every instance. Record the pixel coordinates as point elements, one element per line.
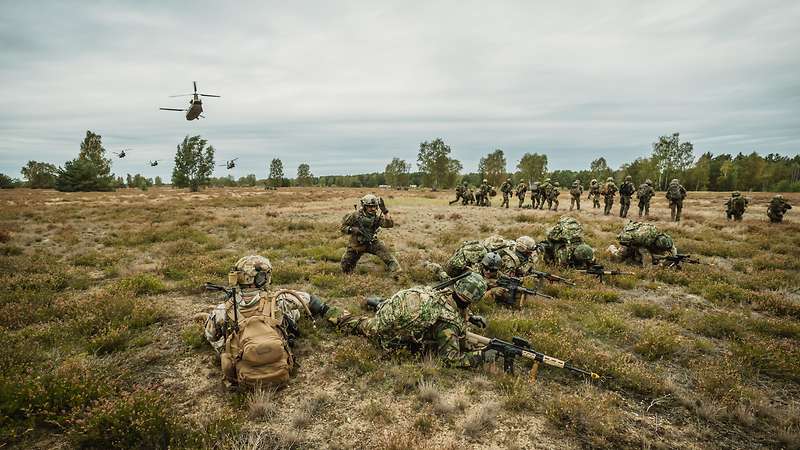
<point>354,230</point>
<point>478,321</point>
<point>382,206</point>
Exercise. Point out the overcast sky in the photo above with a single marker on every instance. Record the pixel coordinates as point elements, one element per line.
<point>346,86</point>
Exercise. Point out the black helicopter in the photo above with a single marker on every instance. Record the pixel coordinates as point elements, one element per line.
<point>121,153</point>
<point>155,162</point>
<point>230,164</point>
<point>196,105</point>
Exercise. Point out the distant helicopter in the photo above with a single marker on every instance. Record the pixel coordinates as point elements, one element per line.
<point>121,154</point>
<point>230,164</point>
<point>155,162</point>
<point>196,108</point>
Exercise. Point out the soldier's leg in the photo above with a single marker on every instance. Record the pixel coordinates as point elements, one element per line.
<point>555,204</point>
<point>641,208</point>
<point>381,251</point>
<point>350,258</point>
<point>647,209</point>
<point>678,212</point>
<point>578,202</point>
<point>672,208</point>
<point>571,203</point>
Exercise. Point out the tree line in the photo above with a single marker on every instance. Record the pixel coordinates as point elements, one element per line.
<point>436,168</point>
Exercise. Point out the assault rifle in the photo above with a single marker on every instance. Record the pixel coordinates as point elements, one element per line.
<point>230,294</point>
<point>676,260</point>
<point>519,347</point>
<point>550,277</point>
<point>599,271</point>
<point>514,286</point>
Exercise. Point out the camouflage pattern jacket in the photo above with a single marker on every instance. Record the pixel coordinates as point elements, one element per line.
<point>363,228</point>
<point>645,192</point>
<point>609,189</point>
<point>627,189</point>
<point>506,187</point>
<point>411,314</point>
<point>576,191</point>
<point>522,188</point>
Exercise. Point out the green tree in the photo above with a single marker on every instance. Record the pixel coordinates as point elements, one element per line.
<point>194,163</point>
<point>276,172</point>
<point>434,161</point>
<point>396,173</point>
<point>90,171</point>
<point>304,175</point>
<point>700,175</point>
<point>532,166</point>
<point>6,182</point>
<point>493,167</point>
<point>40,175</point>
<point>247,181</point>
<point>159,182</point>
<point>600,170</point>
<point>672,157</point>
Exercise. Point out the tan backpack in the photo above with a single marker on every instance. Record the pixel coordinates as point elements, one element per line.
<point>258,354</point>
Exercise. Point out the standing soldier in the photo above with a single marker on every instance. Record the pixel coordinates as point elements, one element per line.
<point>362,226</point>
<point>608,191</point>
<point>552,197</point>
<point>469,197</point>
<point>461,191</point>
<point>544,189</point>
<point>626,191</point>
<point>594,193</point>
<point>535,198</point>
<point>735,206</point>
<point>675,194</point>
<point>522,189</point>
<point>644,194</point>
<point>777,208</point>
<point>575,195</point>
<point>506,188</point>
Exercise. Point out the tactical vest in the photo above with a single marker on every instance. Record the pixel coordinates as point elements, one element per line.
<point>409,314</point>
<point>674,192</point>
<point>369,226</point>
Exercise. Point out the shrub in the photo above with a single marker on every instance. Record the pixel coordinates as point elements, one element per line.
<point>141,284</point>
<point>658,342</point>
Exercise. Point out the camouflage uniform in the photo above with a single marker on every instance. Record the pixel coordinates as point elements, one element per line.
<point>460,193</point>
<point>675,194</point>
<point>594,193</point>
<point>469,197</point>
<point>552,196</point>
<point>521,190</point>
<point>363,226</point>
<point>626,191</point>
<point>641,241</point>
<point>735,206</point>
<point>575,195</point>
<point>644,194</point>
<point>506,188</point>
<point>482,194</point>
<point>564,245</point>
<point>609,191</point>
<point>777,208</point>
<point>421,319</point>
<point>544,194</point>
<point>535,194</point>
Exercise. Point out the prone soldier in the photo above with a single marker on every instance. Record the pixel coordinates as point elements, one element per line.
<point>565,246</point>
<point>363,226</point>
<point>642,243</point>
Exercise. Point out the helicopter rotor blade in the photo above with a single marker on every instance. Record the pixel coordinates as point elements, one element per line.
<point>209,95</point>
<point>172,109</point>
<point>181,95</point>
<point>195,86</point>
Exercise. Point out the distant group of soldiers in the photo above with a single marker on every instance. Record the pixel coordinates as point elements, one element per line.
<point>544,195</point>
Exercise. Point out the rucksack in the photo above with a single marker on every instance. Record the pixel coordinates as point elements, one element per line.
<point>638,234</point>
<point>258,353</point>
<point>566,230</point>
<point>674,192</point>
<point>468,255</point>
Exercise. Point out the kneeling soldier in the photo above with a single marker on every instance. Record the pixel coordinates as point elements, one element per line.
<point>363,226</point>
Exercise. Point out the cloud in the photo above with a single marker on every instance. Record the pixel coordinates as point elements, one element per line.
<point>347,86</point>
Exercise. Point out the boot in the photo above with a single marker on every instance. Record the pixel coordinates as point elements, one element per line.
<point>317,307</point>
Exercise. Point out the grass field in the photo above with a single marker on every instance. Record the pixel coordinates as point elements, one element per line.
<point>101,350</point>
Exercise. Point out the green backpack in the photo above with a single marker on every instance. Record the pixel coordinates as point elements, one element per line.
<point>468,255</point>
<point>566,230</point>
<point>638,234</point>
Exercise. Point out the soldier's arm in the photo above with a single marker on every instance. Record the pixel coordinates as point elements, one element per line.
<point>349,224</point>
<point>387,221</point>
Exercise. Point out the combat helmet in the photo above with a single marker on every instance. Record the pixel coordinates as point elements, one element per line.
<point>470,288</point>
<point>556,184</point>
<point>547,180</point>
<point>736,194</point>
<point>663,242</point>
<point>370,201</point>
<point>583,254</point>
<point>576,182</point>
<point>610,179</point>
<point>648,182</point>
<point>674,181</point>
<point>485,180</point>
<point>491,262</point>
<point>628,178</point>
<point>525,244</point>
<point>253,269</point>
<point>508,179</point>
<point>594,181</point>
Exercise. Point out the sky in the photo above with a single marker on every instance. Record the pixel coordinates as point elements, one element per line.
<point>347,86</point>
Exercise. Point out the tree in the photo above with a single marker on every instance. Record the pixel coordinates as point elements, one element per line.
<point>436,165</point>
<point>671,157</point>
<point>304,175</point>
<point>532,166</point>
<point>40,175</point>
<point>276,172</point>
<point>90,171</point>
<point>194,163</point>
<point>159,182</point>
<point>396,172</point>
<point>600,170</point>
<point>6,182</point>
<point>248,181</point>
<point>129,180</point>
<point>493,167</point>
<point>640,170</point>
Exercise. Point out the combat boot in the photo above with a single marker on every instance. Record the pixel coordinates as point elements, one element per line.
<point>317,307</point>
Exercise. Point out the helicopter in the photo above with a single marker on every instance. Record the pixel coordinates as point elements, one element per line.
<point>196,105</point>
<point>230,164</point>
<point>121,153</point>
<point>155,162</point>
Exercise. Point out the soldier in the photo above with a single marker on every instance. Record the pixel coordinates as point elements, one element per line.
<point>519,260</point>
<point>228,323</point>
<point>564,245</point>
<point>522,190</point>
<point>544,193</point>
<point>575,195</point>
<point>469,198</point>
<point>644,194</point>
<point>735,206</point>
<point>594,193</point>
<point>626,191</point>
<point>640,242</point>
<point>363,226</point>
<point>608,191</point>
<point>535,194</point>
<point>675,194</point>
<point>552,197</point>
<point>420,319</point>
<point>506,189</point>
<point>461,191</point>
<point>482,194</point>
<point>777,208</point>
